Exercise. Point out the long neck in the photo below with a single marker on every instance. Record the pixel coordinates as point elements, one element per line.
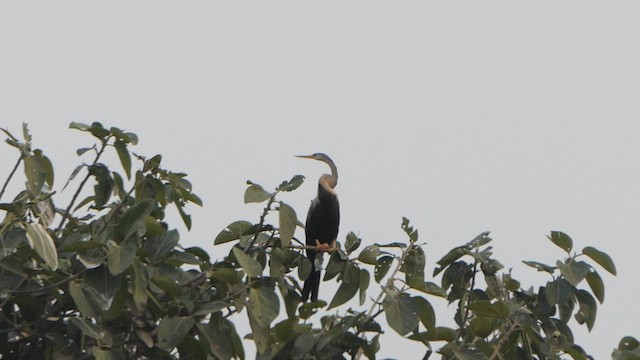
<point>329,182</point>
<point>333,179</point>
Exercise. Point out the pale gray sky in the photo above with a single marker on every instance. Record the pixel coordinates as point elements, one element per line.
<point>464,117</point>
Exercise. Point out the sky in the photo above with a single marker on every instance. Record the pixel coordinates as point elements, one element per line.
<point>518,118</point>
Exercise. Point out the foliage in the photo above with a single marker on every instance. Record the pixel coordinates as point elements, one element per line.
<point>112,280</point>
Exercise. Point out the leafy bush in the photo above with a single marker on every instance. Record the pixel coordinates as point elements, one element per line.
<point>112,281</point>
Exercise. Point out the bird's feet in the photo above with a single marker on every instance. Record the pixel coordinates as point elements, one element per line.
<point>326,247</point>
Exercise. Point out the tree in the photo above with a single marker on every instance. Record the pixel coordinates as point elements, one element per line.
<point>112,281</point>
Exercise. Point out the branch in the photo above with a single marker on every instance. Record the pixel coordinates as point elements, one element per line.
<point>468,300</point>
<point>4,187</point>
<point>67,213</point>
<point>503,339</point>
<point>390,281</point>
<point>52,286</point>
<point>262,217</point>
<point>117,208</point>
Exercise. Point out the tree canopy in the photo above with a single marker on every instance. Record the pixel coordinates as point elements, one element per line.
<point>107,277</point>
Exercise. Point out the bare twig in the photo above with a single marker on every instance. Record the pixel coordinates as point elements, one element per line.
<point>6,182</point>
<point>67,212</point>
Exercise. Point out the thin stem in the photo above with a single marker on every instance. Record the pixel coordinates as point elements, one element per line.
<point>467,299</point>
<point>503,339</point>
<point>117,208</point>
<point>52,286</point>
<point>378,299</point>
<point>261,223</point>
<point>234,294</point>
<point>6,182</point>
<point>67,212</point>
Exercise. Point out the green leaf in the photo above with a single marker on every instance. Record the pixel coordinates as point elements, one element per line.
<point>304,345</point>
<point>255,194</point>
<point>46,164</point>
<point>158,247</point>
<point>79,126</point>
<point>230,276</point>
<point>540,266</point>
<point>109,354</point>
<point>132,138</point>
<point>123,154</point>
<point>36,174</point>
<point>259,333</point>
<point>382,267</point>
<point>482,326</point>
<point>453,255</point>
<point>308,309</point>
<point>304,268</point>
<point>198,252</point>
<point>81,245</point>
<point>369,255</point>
<point>120,257</point>
<point>488,309</point>
<point>172,330</point>
<point>167,285</point>
<point>82,151</point>
<point>596,284</point>
<point>74,173</point>
<point>10,241</point>
<point>335,266</point>
<point>264,305</point>
<point>364,285</point>
<point>426,314</point>
<point>432,289</point>
<point>400,313</point>
<point>134,217</point>
<point>352,242</point>
<point>628,343</point>
<point>140,282</point>
<point>562,240</point>
<point>88,301</point>
<point>601,258</point>
<point>217,335</point>
<point>413,234</point>
<point>559,291</point>
<point>348,288</point>
<point>469,354</point>
<point>186,218</point>
<point>250,265</point>
<point>288,222</point>
<point>232,232</point>
<point>212,307</point>
<point>40,240</point>
<point>96,129</point>
<point>574,271</point>
<point>588,309</point>
<point>88,328</point>
<point>104,183</point>
<point>292,184</point>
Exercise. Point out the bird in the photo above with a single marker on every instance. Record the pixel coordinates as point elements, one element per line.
<point>323,222</point>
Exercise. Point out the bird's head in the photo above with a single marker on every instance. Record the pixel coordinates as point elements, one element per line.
<point>316,156</point>
<point>330,180</point>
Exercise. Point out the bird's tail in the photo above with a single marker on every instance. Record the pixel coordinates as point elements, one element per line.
<point>311,286</point>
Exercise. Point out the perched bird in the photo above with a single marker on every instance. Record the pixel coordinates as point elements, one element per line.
<point>321,229</point>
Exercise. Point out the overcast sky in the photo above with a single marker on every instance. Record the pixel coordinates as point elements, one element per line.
<point>464,117</point>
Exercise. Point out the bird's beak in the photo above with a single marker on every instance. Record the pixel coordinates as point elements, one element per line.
<point>305,156</point>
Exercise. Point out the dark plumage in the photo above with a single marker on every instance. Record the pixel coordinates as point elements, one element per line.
<point>323,221</point>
